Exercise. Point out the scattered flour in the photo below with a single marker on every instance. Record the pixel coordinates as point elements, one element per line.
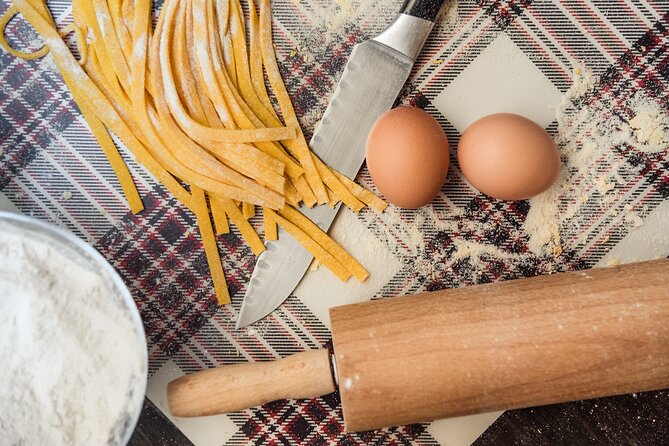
<point>583,82</point>
<point>335,19</point>
<point>604,185</point>
<point>592,179</point>
<point>414,236</point>
<point>71,364</point>
<point>541,223</point>
<point>634,219</point>
<point>650,126</point>
<point>467,249</point>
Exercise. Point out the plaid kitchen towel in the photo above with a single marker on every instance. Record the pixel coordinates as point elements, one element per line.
<point>584,69</point>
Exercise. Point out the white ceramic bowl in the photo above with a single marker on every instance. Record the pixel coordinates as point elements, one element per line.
<point>90,259</point>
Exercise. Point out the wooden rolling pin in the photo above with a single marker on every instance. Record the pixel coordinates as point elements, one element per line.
<point>520,343</point>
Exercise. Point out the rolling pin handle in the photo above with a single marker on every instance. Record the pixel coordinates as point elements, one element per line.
<point>240,386</point>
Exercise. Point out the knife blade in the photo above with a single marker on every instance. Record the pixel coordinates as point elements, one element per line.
<point>374,75</point>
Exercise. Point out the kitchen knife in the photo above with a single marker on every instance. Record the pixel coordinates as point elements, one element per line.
<point>373,77</point>
<point>519,343</point>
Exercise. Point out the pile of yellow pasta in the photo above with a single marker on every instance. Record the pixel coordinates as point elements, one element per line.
<point>189,99</point>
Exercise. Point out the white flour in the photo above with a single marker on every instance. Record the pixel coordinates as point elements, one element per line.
<point>593,176</point>
<point>331,20</point>
<point>71,365</point>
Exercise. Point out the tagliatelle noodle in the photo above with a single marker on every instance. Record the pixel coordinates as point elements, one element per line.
<point>4,21</point>
<point>220,217</point>
<point>12,12</point>
<point>111,42</point>
<point>196,154</point>
<point>337,187</point>
<point>311,245</point>
<point>189,100</point>
<point>292,197</point>
<point>224,38</point>
<point>245,83</point>
<point>255,60</point>
<point>298,146</point>
<point>207,106</point>
<point>118,15</point>
<point>239,114</point>
<point>304,191</point>
<point>324,240</point>
<point>210,246</point>
<point>183,74</point>
<point>248,210</point>
<point>84,15</point>
<point>270,228</point>
<point>245,228</point>
<point>80,34</point>
<point>83,89</point>
<point>115,160</point>
<point>361,193</point>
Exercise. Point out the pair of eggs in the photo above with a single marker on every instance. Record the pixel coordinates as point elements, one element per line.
<point>505,156</point>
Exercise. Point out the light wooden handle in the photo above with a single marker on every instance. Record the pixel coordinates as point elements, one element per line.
<point>527,342</point>
<point>240,386</point>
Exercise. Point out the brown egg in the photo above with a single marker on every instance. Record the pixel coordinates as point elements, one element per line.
<point>408,156</point>
<point>508,157</point>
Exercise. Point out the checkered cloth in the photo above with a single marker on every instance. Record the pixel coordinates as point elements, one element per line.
<point>52,168</point>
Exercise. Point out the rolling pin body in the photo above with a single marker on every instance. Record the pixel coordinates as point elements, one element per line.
<point>519,343</point>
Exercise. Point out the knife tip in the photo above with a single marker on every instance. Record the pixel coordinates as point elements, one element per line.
<point>244,318</point>
<point>239,325</point>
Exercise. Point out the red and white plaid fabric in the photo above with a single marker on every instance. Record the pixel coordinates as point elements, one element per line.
<point>52,168</point>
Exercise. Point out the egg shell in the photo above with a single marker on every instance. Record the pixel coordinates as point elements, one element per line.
<point>408,156</point>
<point>508,156</point>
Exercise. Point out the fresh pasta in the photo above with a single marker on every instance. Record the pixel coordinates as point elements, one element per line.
<point>189,98</point>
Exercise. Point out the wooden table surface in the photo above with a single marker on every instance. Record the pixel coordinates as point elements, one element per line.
<point>638,419</point>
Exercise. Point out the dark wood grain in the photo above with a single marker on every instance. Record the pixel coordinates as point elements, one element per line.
<point>155,429</point>
<point>635,419</point>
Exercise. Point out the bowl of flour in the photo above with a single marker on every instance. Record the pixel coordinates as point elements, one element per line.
<point>74,357</point>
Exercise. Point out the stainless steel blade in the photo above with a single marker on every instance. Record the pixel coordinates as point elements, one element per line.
<point>370,83</point>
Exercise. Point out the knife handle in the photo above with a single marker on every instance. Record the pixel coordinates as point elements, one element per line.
<point>240,386</point>
<point>423,9</point>
<point>411,27</point>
